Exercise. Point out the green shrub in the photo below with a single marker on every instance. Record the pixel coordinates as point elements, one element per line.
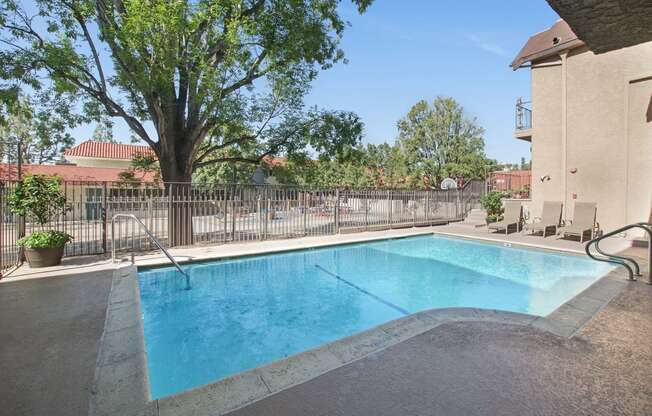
<point>39,198</point>
<point>492,203</point>
<point>492,218</point>
<point>45,239</point>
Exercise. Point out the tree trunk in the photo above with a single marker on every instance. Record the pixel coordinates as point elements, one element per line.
<point>176,171</point>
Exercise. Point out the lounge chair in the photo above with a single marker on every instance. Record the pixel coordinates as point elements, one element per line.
<point>583,222</point>
<point>513,215</point>
<point>550,218</point>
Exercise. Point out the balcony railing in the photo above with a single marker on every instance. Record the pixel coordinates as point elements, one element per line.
<point>523,115</point>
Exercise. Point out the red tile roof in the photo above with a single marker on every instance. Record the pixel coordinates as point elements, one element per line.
<point>102,150</point>
<point>557,38</point>
<point>69,172</point>
<point>273,161</point>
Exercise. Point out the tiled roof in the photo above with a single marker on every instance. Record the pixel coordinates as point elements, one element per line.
<point>552,41</point>
<point>68,172</point>
<point>102,150</point>
<point>273,161</point>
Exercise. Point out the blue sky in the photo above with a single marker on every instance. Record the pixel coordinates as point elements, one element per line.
<point>402,51</point>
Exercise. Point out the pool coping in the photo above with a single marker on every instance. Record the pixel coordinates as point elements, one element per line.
<point>121,384</point>
<point>162,262</point>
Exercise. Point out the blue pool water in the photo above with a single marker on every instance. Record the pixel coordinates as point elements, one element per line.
<point>243,313</point>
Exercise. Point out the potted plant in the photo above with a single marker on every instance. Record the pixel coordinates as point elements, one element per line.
<point>39,198</point>
<point>491,202</point>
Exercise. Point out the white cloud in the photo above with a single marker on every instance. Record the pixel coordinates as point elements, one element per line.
<point>487,46</point>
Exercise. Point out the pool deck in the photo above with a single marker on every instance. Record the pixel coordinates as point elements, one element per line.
<point>586,358</point>
<point>491,368</point>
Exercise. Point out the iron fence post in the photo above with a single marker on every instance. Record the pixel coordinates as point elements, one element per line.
<point>104,217</point>
<point>305,212</point>
<point>414,209</point>
<point>391,208</point>
<point>150,217</point>
<point>233,194</point>
<point>171,238</point>
<point>226,212</point>
<point>337,210</point>
<point>268,215</point>
<point>366,210</point>
<point>258,213</point>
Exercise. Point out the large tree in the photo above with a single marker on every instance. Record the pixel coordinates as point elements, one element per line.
<point>439,141</point>
<point>202,75</point>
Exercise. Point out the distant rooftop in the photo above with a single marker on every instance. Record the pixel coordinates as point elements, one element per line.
<point>558,38</point>
<point>68,172</point>
<point>102,150</point>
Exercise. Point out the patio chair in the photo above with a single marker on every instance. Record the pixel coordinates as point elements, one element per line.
<point>513,215</point>
<point>550,218</point>
<point>583,222</point>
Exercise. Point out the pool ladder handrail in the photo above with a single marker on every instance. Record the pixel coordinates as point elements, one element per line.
<point>629,263</point>
<point>151,237</point>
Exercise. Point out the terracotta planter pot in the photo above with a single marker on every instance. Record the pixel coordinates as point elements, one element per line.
<point>43,257</point>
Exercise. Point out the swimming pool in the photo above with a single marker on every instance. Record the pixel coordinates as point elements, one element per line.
<point>243,313</point>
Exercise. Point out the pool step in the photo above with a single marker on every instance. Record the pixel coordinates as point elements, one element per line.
<point>640,242</point>
<point>475,218</point>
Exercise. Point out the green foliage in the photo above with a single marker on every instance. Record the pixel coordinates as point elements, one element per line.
<point>440,141</point>
<point>104,131</point>
<point>142,164</point>
<point>334,136</point>
<point>45,239</point>
<point>38,197</point>
<point>229,72</point>
<point>40,130</point>
<point>492,203</point>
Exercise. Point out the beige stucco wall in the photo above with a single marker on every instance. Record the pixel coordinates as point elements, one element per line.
<point>546,142</point>
<point>608,139</point>
<point>98,162</point>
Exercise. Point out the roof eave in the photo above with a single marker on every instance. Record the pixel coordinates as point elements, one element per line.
<point>555,50</point>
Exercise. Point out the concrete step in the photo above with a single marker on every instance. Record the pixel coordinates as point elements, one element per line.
<point>476,218</point>
<point>472,224</point>
<point>477,215</point>
<point>640,242</point>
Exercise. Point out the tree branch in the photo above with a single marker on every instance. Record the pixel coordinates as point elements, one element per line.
<point>252,74</point>
<point>91,45</point>
<point>223,145</point>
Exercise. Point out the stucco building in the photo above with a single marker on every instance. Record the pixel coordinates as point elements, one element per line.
<point>105,155</point>
<point>590,125</point>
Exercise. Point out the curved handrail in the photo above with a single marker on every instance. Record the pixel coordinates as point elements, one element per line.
<point>622,260</point>
<point>152,237</point>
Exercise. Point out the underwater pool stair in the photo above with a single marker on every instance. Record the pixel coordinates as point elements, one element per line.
<point>628,263</point>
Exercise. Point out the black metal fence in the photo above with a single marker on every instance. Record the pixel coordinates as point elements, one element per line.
<point>183,214</point>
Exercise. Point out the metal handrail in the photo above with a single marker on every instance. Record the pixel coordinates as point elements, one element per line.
<point>151,237</point>
<point>622,260</point>
<point>523,115</point>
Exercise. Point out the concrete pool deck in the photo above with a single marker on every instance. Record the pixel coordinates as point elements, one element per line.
<point>75,265</point>
<point>351,377</point>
